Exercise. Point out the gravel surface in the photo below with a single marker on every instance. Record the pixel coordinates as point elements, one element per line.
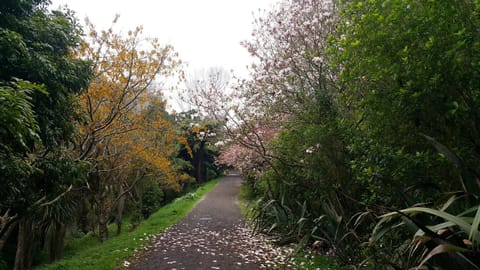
<point>213,236</point>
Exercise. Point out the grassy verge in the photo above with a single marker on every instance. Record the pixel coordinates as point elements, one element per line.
<point>303,260</point>
<point>246,200</point>
<point>310,261</point>
<point>87,253</point>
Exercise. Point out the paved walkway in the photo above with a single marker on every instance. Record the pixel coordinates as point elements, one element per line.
<point>212,236</point>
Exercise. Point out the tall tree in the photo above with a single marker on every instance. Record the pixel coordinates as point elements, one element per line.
<point>208,93</point>
<point>293,124</point>
<point>38,76</point>
<point>124,131</point>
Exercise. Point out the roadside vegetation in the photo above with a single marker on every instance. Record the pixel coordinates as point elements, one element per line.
<point>117,252</point>
<point>86,141</point>
<point>358,130</point>
<point>304,259</point>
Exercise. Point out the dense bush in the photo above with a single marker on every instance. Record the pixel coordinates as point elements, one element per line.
<point>152,199</point>
<point>377,103</point>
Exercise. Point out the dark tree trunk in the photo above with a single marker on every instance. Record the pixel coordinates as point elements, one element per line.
<point>200,169</point>
<point>102,223</point>
<point>25,245</point>
<point>102,209</point>
<point>120,208</point>
<point>83,223</point>
<point>57,241</point>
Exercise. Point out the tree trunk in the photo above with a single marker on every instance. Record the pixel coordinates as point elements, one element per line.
<point>25,245</point>
<point>102,223</point>
<point>83,223</point>
<point>200,170</point>
<point>57,241</point>
<point>6,228</point>
<point>120,208</point>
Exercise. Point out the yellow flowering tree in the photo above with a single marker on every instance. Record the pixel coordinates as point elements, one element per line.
<point>125,133</point>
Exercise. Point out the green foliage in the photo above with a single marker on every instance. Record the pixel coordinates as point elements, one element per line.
<point>246,198</point>
<point>441,238</point>
<point>200,153</point>
<point>410,74</point>
<point>418,64</point>
<point>249,203</point>
<point>152,199</point>
<point>21,8</point>
<point>37,48</point>
<point>308,191</point>
<point>396,126</point>
<point>39,79</point>
<point>18,135</point>
<point>19,129</point>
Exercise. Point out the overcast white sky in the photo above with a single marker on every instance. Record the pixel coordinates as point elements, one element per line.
<point>206,33</point>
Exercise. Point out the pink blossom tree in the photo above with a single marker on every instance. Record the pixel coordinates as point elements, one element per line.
<point>249,153</point>
<point>291,68</point>
<point>291,73</point>
<point>290,45</point>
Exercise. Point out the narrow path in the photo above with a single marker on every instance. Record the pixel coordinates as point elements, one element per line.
<point>212,236</point>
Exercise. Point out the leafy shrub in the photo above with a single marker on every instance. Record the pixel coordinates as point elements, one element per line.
<point>441,239</point>
<point>152,199</point>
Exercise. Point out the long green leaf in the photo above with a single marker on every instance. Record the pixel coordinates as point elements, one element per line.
<point>436,227</point>
<point>379,232</point>
<point>459,221</point>
<point>448,203</point>
<point>443,150</point>
<point>445,248</point>
<point>468,211</point>
<point>474,230</point>
<point>273,227</point>
<point>268,204</point>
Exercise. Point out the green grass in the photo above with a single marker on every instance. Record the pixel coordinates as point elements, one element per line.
<point>246,200</point>
<point>306,261</point>
<point>87,253</point>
